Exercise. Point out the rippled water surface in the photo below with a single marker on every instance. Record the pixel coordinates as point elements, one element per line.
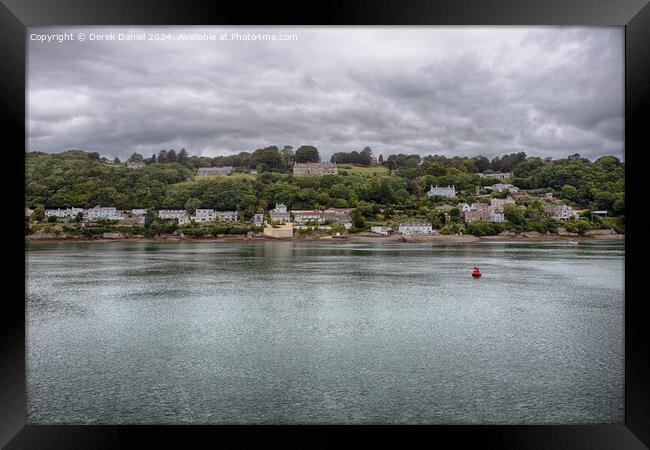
<point>282,332</point>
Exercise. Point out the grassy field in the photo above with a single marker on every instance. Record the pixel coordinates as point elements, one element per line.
<point>362,170</point>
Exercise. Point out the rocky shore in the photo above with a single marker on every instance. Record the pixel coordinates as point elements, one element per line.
<point>353,238</point>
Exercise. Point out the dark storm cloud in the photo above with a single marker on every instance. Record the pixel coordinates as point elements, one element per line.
<point>453,91</point>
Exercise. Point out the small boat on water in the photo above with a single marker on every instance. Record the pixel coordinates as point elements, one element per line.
<point>476,272</point>
<point>573,242</point>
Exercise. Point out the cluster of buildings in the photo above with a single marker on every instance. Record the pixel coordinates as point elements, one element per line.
<point>494,211</point>
<point>63,213</point>
<point>406,228</point>
<point>278,215</point>
<point>99,213</point>
<point>450,191</point>
<point>282,221</point>
<point>211,215</point>
<point>334,216</point>
<point>316,169</point>
<point>477,211</point>
<point>200,216</point>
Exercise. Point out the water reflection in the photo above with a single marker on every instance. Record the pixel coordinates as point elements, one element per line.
<point>286,332</point>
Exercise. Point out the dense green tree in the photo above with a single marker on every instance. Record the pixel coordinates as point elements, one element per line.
<point>38,214</point>
<point>192,204</point>
<point>136,157</point>
<point>82,179</point>
<point>514,214</point>
<point>454,214</point>
<point>307,153</point>
<point>266,159</point>
<point>481,163</point>
<point>358,220</point>
<point>183,158</point>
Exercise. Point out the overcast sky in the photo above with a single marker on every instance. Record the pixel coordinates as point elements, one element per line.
<point>548,91</point>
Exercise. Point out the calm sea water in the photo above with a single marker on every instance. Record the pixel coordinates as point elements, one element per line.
<point>273,332</point>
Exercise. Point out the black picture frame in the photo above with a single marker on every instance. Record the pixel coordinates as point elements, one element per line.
<point>15,15</point>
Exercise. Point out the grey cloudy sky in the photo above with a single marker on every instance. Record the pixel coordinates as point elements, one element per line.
<point>548,91</point>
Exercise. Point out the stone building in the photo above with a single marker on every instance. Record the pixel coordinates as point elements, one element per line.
<point>448,191</point>
<point>209,171</point>
<point>314,169</point>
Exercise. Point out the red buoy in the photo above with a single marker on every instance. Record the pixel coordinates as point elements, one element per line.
<point>476,272</point>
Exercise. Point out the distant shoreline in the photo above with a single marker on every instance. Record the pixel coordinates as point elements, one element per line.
<point>442,239</point>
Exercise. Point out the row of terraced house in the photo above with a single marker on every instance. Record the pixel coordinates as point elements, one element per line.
<point>99,213</point>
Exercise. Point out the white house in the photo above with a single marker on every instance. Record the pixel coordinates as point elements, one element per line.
<point>60,213</point>
<point>204,215</point>
<point>449,191</point>
<point>173,214</point>
<point>280,207</point>
<point>135,164</point>
<point>496,214</point>
<point>104,213</point>
<point>304,216</point>
<point>280,213</point>
<point>258,220</point>
<point>228,216</point>
<point>415,228</point>
<point>563,212</point>
<point>63,213</point>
